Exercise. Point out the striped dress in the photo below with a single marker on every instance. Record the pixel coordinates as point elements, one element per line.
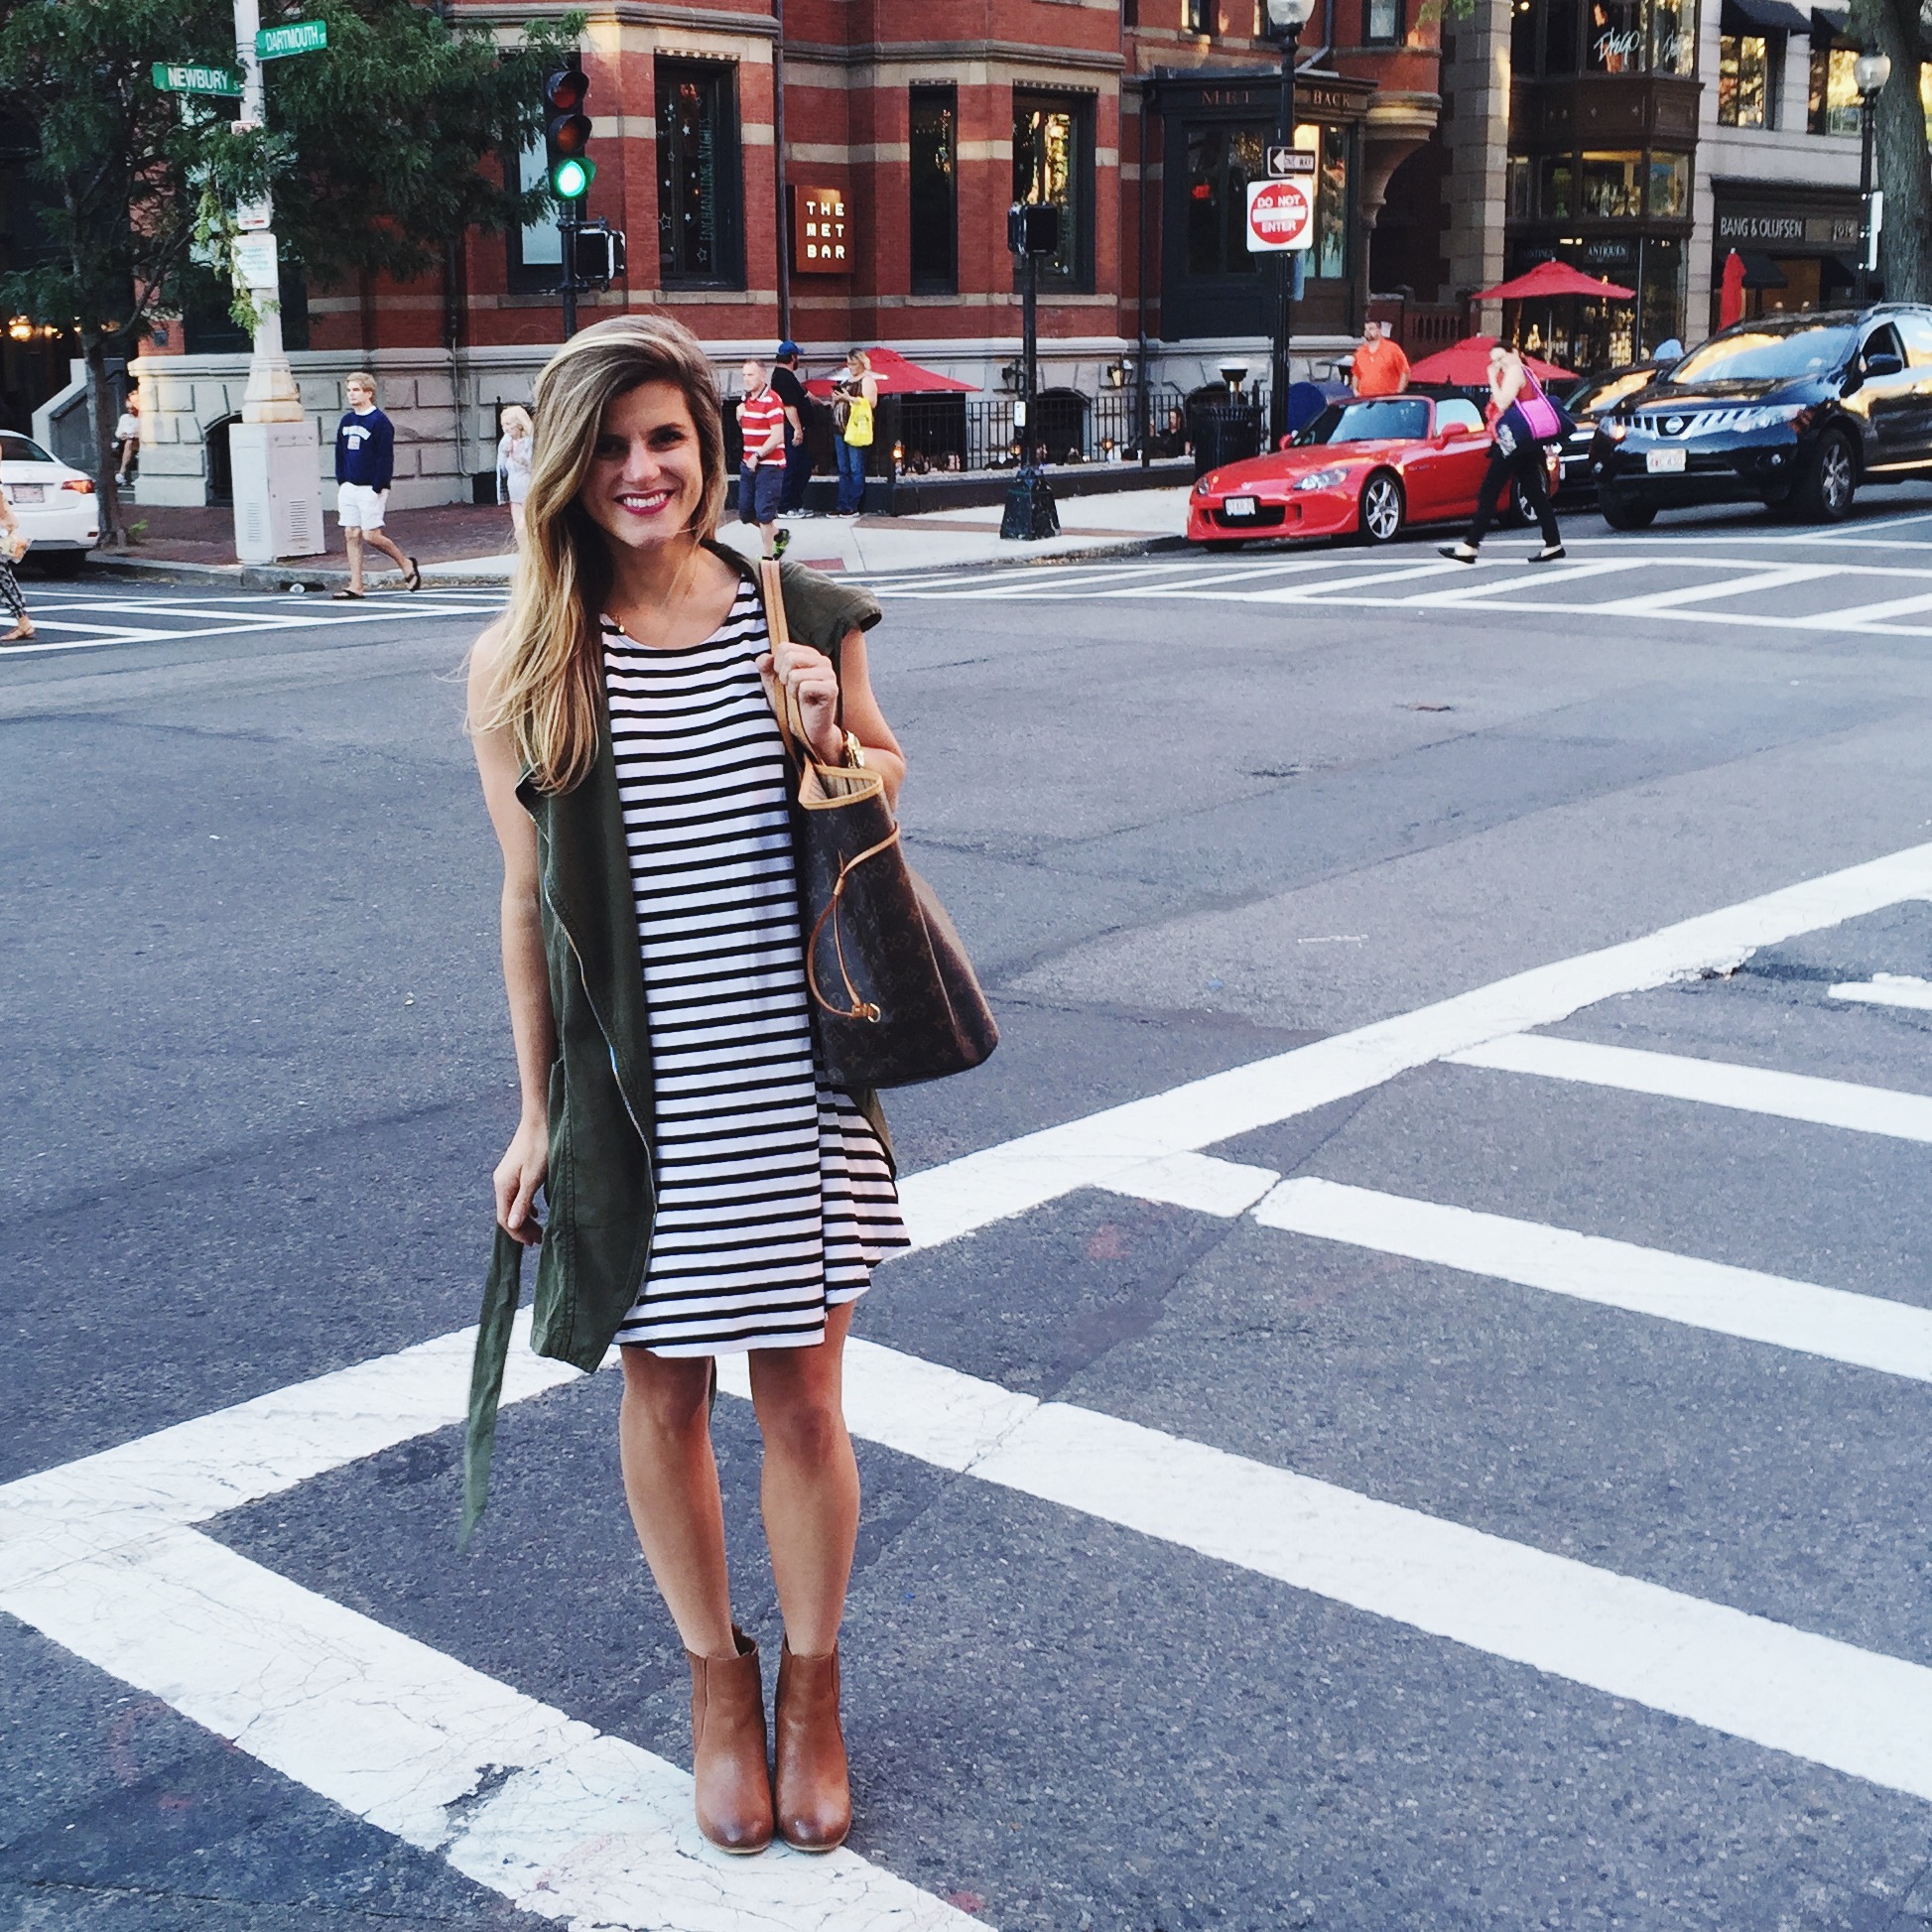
<point>774,1198</point>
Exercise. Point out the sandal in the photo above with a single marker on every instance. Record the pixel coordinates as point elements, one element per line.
<point>413,580</point>
<point>20,634</point>
<point>338,595</point>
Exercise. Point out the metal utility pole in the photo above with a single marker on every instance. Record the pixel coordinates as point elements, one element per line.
<point>1286,19</point>
<point>1032,230</point>
<point>273,450</point>
<point>568,224</point>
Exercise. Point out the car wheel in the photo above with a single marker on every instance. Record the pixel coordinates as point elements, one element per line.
<point>1382,509</point>
<point>1225,543</point>
<point>1826,496</point>
<point>1627,513</point>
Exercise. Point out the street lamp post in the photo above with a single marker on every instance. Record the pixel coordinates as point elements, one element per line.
<point>1870,72</point>
<point>1286,19</point>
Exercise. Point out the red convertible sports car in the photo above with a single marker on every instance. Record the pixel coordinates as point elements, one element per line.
<point>1362,470</point>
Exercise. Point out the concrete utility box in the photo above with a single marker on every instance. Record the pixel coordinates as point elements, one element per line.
<point>278,497</point>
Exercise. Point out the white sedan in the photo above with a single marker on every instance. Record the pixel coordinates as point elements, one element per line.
<point>54,503</point>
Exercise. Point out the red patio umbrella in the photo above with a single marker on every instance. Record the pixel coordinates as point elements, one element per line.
<point>1467,364</point>
<point>1554,277</point>
<point>898,377</point>
<point>1731,297</point>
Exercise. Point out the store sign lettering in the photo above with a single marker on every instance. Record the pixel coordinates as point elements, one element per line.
<point>1760,227</point>
<point>1621,46</point>
<point>820,234</point>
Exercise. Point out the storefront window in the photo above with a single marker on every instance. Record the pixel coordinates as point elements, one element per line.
<point>1613,186</point>
<point>1221,160</point>
<point>1558,37</point>
<point>1743,81</point>
<point>1616,36</point>
<point>1833,104</point>
<point>935,117</point>
<point>1522,187</point>
<point>1673,33</point>
<point>698,175</point>
<point>1670,183</point>
<point>1554,190</point>
<point>1053,160</point>
<point>1329,258</point>
<point>1660,297</point>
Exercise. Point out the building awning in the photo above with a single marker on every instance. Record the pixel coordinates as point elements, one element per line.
<point>1765,17</point>
<point>1827,26</point>
<point>1760,272</point>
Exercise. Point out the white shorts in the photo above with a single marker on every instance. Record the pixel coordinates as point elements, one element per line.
<point>358,506</point>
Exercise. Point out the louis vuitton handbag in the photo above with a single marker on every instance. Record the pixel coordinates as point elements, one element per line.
<point>894,1000</point>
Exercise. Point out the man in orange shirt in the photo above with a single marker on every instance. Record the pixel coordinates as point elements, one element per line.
<point>1379,367</point>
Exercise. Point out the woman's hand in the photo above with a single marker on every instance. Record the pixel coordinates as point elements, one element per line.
<point>519,1174</point>
<point>809,676</point>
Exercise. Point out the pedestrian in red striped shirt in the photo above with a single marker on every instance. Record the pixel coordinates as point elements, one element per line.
<point>761,470</point>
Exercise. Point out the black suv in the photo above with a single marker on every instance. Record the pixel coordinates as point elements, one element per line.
<point>1794,410</point>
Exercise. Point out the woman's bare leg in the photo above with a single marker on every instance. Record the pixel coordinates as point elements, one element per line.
<point>811,1482</point>
<point>663,1436</point>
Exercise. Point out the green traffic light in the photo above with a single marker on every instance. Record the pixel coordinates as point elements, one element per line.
<point>570,178</point>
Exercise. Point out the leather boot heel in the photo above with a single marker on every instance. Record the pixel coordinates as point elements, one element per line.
<point>815,1800</point>
<point>727,1737</point>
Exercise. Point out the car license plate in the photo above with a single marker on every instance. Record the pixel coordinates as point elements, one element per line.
<point>1663,462</point>
<point>25,493</point>
<point>1238,506</point>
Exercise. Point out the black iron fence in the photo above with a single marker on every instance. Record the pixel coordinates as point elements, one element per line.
<point>958,433</point>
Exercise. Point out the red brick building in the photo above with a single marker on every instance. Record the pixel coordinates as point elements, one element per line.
<point>911,129</point>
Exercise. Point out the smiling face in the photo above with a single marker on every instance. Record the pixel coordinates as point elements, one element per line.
<point>646,479</point>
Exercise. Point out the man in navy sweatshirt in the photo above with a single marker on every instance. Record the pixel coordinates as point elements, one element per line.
<point>365,463</point>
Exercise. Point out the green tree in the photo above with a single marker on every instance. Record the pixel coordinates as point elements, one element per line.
<point>1899,153</point>
<point>380,151</point>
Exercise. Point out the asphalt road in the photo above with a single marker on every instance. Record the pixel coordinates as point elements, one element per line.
<point>1453,1455</point>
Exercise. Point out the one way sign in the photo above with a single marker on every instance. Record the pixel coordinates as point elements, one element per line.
<point>1289,161</point>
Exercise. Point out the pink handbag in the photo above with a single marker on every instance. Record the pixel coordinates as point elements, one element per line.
<point>1538,412</point>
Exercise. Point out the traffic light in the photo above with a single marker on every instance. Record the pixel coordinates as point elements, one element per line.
<point>598,255</point>
<point>566,135</point>
<point>1033,227</point>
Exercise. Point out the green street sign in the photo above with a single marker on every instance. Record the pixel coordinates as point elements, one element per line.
<point>300,37</point>
<point>183,80</point>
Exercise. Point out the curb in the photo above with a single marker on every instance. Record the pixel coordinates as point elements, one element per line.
<point>271,576</point>
<point>266,576</point>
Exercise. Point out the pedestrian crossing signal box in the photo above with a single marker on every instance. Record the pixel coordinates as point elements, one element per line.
<point>1033,227</point>
<point>598,255</point>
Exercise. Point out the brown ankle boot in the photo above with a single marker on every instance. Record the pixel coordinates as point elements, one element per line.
<point>728,1739</point>
<point>815,1801</point>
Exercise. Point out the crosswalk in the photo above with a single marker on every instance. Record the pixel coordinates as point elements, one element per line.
<point>107,1557</point>
<point>1728,585</point>
<point>86,619</point>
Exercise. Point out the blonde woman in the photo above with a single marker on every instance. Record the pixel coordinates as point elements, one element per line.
<point>708,1191</point>
<point>858,397</point>
<point>513,462</point>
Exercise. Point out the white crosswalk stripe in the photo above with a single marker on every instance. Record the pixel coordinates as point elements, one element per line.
<point>103,1556</point>
<point>1668,584</point>
<point>95,620</point>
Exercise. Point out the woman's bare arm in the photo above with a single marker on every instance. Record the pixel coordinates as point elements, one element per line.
<point>819,693</point>
<point>526,974</point>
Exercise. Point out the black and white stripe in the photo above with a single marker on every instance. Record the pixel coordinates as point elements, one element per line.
<point>774,1199</point>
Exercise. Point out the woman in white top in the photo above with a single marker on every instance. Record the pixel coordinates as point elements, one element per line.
<point>513,463</point>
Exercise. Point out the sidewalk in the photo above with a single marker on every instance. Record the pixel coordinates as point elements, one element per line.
<point>462,543</point>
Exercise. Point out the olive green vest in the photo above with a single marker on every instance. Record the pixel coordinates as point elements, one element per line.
<point>601,1193</point>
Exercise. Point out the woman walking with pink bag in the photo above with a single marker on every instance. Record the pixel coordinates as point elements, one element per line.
<point>1523,420</point>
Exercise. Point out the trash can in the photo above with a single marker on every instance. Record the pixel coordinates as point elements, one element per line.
<point>1225,433</point>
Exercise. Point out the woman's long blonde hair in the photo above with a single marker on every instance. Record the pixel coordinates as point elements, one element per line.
<point>546,693</point>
